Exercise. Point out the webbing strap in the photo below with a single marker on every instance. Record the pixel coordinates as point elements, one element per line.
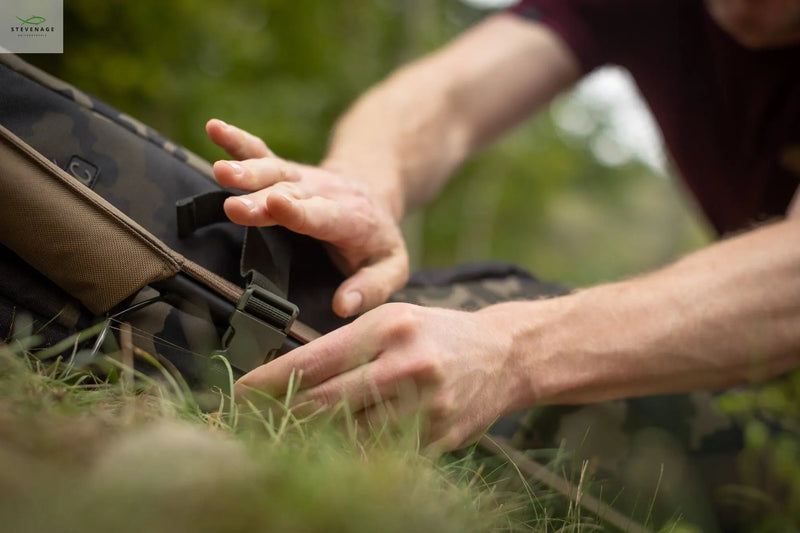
<point>266,252</point>
<point>267,258</point>
<point>259,324</point>
<point>200,211</point>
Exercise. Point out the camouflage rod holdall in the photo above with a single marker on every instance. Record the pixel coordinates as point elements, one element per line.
<point>100,215</point>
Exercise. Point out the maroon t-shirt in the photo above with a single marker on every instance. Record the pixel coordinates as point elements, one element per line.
<point>730,115</point>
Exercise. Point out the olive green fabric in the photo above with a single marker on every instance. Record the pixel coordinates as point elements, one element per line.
<point>71,235</point>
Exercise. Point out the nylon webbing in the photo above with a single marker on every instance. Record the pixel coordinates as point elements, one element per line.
<point>266,252</point>
<point>200,211</point>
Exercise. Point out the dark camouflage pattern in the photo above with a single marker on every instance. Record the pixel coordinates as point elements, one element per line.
<point>139,171</point>
<point>144,174</point>
<point>473,286</point>
<point>658,459</point>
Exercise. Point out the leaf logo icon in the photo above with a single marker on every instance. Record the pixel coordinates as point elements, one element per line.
<point>33,20</point>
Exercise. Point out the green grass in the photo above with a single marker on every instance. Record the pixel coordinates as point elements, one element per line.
<point>134,453</point>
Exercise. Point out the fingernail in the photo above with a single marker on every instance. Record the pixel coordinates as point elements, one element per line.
<point>250,204</point>
<point>352,302</point>
<point>238,169</point>
<point>223,123</point>
<point>286,197</point>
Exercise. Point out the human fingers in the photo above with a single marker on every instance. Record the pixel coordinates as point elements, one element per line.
<point>413,407</point>
<point>239,143</point>
<point>339,351</point>
<point>377,254</point>
<point>367,385</point>
<point>319,217</point>
<point>404,404</point>
<point>373,284</point>
<point>442,438</point>
<point>252,210</point>
<point>255,174</point>
<point>386,414</point>
<point>420,413</point>
<point>290,205</point>
<point>350,224</point>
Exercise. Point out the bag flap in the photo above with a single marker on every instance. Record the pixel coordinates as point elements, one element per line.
<point>73,236</point>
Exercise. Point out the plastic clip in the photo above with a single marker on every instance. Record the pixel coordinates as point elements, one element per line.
<point>258,328</point>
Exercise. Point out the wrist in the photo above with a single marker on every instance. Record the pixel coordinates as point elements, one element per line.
<point>530,336</point>
<point>565,350</point>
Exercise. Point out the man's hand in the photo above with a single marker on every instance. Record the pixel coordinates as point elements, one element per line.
<point>453,367</point>
<point>365,241</point>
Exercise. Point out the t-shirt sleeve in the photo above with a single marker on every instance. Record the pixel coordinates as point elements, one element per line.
<point>598,31</point>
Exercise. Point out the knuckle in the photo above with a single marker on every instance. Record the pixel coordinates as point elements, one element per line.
<point>430,370</point>
<point>290,188</point>
<point>286,171</point>
<point>404,322</point>
<point>442,407</point>
<point>260,145</point>
<point>327,396</point>
<point>313,368</point>
<point>423,368</point>
<point>360,203</point>
<point>363,219</point>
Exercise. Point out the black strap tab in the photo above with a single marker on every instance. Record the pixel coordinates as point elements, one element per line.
<point>266,258</point>
<point>200,211</point>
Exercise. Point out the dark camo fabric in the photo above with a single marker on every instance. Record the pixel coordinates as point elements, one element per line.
<point>139,171</point>
<point>473,286</point>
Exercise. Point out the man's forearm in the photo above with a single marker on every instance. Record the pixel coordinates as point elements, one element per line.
<point>398,136</point>
<point>727,314</point>
<point>408,134</point>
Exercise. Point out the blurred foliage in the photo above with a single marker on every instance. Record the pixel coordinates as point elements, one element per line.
<point>282,69</point>
<point>542,200</point>
<point>286,69</point>
<point>770,416</point>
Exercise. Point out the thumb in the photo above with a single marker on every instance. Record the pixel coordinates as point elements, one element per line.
<point>371,285</point>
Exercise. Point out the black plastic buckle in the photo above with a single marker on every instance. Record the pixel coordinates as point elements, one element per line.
<point>258,328</point>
